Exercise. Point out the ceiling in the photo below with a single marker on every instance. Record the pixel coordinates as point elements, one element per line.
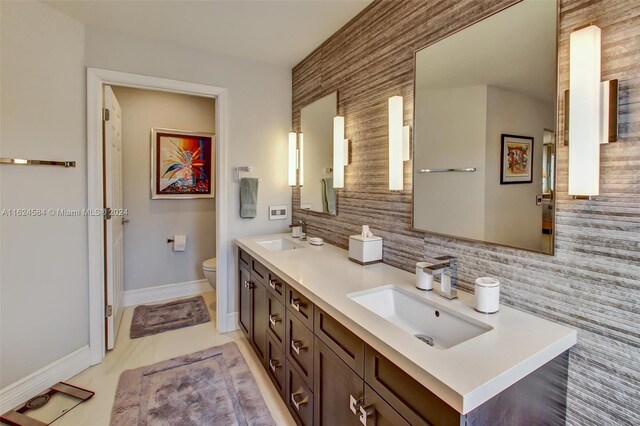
<point>277,32</point>
<point>514,50</point>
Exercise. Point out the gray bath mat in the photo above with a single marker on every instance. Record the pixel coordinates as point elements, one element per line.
<point>210,387</point>
<point>153,319</point>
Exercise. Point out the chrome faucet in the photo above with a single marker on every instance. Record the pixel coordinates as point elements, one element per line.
<point>448,272</point>
<point>303,228</point>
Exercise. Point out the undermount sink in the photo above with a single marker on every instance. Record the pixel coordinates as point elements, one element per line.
<point>428,322</point>
<point>280,244</point>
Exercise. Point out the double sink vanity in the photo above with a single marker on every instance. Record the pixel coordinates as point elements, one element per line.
<point>346,344</point>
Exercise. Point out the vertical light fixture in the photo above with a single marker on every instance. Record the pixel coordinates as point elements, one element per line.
<point>338,152</point>
<point>301,159</point>
<point>406,137</point>
<point>584,112</point>
<point>396,168</point>
<point>293,158</point>
<point>346,152</point>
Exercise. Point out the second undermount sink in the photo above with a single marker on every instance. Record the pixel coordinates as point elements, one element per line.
<point>426,321</point>
<point>280,244</point>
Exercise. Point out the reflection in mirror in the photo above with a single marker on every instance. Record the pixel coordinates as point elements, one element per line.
<point>316,122</point>
<point>484,138</point>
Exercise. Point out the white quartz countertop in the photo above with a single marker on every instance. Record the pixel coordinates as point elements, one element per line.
<point>465,375</point>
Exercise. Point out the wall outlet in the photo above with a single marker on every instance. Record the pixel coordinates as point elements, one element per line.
<point>278,212</point>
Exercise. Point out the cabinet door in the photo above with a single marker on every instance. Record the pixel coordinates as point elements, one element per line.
<point>246,301</point>
<point>338,390</point>
<point>260,319</point>
<point>298,397</point>
<point>275,365</point>
<point>377,412</point>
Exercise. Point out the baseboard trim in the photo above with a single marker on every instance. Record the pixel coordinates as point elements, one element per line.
<point>165,292</point>
<point>62,369</point>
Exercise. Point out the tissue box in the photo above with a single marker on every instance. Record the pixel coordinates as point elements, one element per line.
<point>365,250</point>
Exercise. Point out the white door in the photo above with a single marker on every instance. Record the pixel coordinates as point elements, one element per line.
<point>114,226</point>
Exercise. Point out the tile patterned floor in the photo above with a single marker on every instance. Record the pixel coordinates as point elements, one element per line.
<point>133,353</point>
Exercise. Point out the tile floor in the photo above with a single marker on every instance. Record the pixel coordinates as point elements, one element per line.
<point>134,353</point>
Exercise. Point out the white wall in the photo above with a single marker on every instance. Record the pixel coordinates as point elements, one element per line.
<point>453,121</point>
<point>512,216</point>
<point>148,260</point>
<point>43,263</point>
<point>259,116</point>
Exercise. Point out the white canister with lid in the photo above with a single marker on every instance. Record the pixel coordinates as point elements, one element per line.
<point>487,292</point>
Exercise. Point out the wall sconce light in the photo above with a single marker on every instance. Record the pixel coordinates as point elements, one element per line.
<point>593,112</point>
<point>399,136</point>
<point>338,152</point>
<point>346,152</point>
<point>300,159</point>
<point>295,159</point>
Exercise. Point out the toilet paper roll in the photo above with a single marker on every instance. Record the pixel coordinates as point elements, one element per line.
<point>179,242</point>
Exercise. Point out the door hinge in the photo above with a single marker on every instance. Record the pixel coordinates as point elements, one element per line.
<point>107,213</point>
<point>109,311</point>
<point>105,114</point>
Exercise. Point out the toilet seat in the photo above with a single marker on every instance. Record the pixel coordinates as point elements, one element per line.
<point>210,264</point>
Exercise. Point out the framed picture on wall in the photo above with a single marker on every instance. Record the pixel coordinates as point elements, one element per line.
<point>517,159</point>
<point>182,164</point>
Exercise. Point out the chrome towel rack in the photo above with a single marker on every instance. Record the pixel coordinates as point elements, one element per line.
<point>244,169</point>
<point>466,169</point>
<point>24,162</point>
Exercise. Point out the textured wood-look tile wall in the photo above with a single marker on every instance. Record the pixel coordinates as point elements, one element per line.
<point>593,281</point>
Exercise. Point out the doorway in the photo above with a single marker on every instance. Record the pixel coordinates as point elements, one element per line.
<point>97,79</point>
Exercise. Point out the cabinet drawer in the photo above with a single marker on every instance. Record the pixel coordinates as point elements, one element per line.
<point>378,412</point>
<point>276,319</point>
<point>259,271</point>
<point>276,286</point>
<point>276,364</point>
<point>298,397</point>
<point>414,402</point>
<point>299,347</point>
<point>300,306</point>
<point>244,258</point>
<point>348,346</point>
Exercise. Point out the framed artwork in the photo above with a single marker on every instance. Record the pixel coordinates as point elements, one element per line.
<point>516,159</point>
<point>182,164</point>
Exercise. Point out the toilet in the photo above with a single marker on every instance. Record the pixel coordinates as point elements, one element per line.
<point>209,268</point>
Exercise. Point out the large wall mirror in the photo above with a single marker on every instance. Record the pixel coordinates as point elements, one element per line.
<point>484,130</point>
<point>316,124</point>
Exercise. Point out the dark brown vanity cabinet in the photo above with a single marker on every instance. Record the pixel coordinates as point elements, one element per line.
<point>328,376</point>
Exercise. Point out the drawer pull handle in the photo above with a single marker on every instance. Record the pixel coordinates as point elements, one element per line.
<point>273,284</point>
<point>297,345</point>
<point>248,285</point>
<point>354,405</point>
<point>298,402</point>
<point>365,412</point>
<point>273,364</point>
<point>273,319</point>
<point>295,303</point>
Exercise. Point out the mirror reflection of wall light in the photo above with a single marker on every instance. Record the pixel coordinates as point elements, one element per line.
<point>593,111</point>
<point>397,151</point>
<point>338,152</point>
<point>301,159</point>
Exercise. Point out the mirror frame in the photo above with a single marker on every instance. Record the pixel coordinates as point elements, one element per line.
<point>298,186</point>
<point>558,96</point>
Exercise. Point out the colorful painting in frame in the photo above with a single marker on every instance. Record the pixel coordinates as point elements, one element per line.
<point>517,159</point>
<point>182,164</point>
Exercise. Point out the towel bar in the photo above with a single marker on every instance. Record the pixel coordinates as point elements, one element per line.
<point>23,162</point>
<point>468,169</point>
<point>240,169</point>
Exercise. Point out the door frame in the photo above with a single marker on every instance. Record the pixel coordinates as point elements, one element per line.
<point>96,78</point>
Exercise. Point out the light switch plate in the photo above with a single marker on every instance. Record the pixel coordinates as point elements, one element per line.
<point>278,212</point>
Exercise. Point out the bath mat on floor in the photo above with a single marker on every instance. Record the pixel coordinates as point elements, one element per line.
<point>210,387</point>
<point>153,319</point>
